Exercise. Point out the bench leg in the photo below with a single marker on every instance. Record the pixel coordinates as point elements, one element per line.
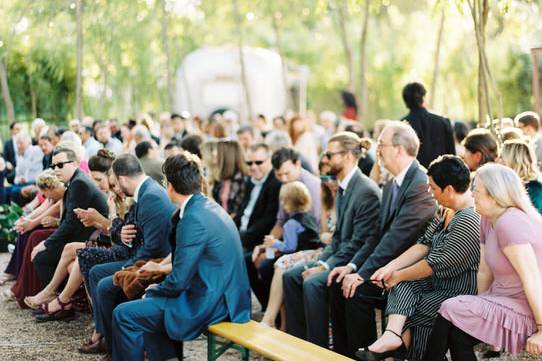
<point>216,348</point>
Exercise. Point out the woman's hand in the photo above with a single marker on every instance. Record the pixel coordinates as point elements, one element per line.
<point>49,221</point>
<point>269,240</point>
<point>534,344</point>
<point>382,274</point>
<point>150,267</point>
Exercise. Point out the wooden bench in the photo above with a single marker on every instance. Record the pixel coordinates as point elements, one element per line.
<point>265,341</point>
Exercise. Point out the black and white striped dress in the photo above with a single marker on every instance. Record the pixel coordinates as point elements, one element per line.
<point>454,256</point>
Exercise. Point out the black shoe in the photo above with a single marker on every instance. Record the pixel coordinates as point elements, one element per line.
<point>364,354</point>
<point>491,354</point>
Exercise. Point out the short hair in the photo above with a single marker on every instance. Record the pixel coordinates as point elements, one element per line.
<point>257,146</point>
<point>38,122</point>
<point>413,94</point>
<point>183,172</point>
<point>245,129</point>
<point>70,153</point>
<point>404,135</point>
<point>450,170</point>
<point>351,142</point>
<point>22,136</point>
<point>45,137</point>
<point>172,144</point>
<point>283,155</point>
<point>460,130</point>
<point>127,165</point>
<point>70,136</point>
<point>481,140</point>
<point>528,119</point>
<point>48,180</point>
<point>142,132</point>
<point>88,130</point>
<point>277,139</point>
<point>192,143</point>
<point>102,161</point>
<point>142,149</point>
<point>13,124</point>
<point>296,196</point>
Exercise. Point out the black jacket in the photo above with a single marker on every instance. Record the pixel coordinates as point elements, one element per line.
<point>264,214</point>
<point>81,192</point>
<point>10,156</point>
<point>435,133</point>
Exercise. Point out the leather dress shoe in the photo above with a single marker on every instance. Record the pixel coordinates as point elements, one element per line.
<point>105,358</point>
<point>90,347</point>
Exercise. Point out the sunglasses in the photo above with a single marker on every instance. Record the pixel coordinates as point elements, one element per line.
<point>330,154</point>
<point>257,162</point>
<point>59,165</point>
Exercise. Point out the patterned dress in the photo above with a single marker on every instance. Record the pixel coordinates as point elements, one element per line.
<point>88,257</point>
<point>454,256</point>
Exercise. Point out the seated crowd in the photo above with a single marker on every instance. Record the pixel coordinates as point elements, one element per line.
<point>162,228</point>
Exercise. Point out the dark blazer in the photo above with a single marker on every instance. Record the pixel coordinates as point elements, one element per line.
<point>435,133</point>
<point>81,192</point>
<point>357,223</point>
<point>153,214</point>
<point>10,156</point>
<point>209,281</point>
<point>400,228</point>
<point>264,214</point>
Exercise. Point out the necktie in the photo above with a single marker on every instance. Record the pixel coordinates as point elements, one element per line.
<point>394,193</point>
<point>340,199</point>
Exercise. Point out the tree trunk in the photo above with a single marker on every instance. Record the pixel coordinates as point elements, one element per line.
<point>10,110</point>
<point>436,68</point>
<point>239,28</point>
<point>79,65</point>
<point>33,102</point>
<point>342,18</point>
<point>290,101</point>
<point>364,94</point>
<point>167,53</point>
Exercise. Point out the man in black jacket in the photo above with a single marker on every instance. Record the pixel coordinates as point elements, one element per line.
<point>407,207</point>
<point>257,215</point>
<point>435,132</point>
<point>81,192</point>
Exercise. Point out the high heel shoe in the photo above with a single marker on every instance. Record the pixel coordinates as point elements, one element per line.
<point>364,354</point>
<point>65,314</point>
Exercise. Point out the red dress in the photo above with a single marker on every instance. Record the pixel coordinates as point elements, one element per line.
<point>28,283</point>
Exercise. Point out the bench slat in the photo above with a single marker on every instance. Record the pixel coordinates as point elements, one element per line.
<point>273,344</point>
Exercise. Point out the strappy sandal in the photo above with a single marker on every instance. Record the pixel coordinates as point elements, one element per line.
<point>364,354</point>
<point>36,306</point>
<point>64,313</point>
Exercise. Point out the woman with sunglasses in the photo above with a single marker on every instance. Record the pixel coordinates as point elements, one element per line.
<point>442,264</point>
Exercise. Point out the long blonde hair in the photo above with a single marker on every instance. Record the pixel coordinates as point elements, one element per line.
<point>519,155</point>
<point>505,187</point>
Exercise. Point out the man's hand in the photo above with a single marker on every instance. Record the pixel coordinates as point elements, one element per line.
<point>269,240</point>
<point>350,284</point>
<point>128,233</point>
<point>150,267</point>
<point>338,272</point>
<point>312,271</point>
<point>49,221</point>
<point>39,248</point>
<point>149,287</point>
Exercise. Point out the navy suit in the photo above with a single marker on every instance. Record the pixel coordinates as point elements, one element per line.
<point>153,213</point>
<point>208,284</point>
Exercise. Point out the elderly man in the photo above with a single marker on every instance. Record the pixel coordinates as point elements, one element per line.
<point>103,134</point>
<point>407,206</point>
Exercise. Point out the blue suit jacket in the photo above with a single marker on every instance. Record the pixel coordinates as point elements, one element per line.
<point>153,214</point>
<point>208,275</point>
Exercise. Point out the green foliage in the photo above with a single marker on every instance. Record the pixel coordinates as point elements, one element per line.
<point>9,214</point>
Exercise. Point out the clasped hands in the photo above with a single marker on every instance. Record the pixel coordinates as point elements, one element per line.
<point>384,277</point>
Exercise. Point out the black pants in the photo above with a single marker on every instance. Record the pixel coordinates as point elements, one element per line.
<point>446,336</point>
<point>353,319</point>
<point>46,262</point>
<point>260,278</point>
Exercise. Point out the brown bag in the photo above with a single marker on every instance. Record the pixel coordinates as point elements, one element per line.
<point>134,282</point>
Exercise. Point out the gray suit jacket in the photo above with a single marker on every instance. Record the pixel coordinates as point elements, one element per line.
<point>153,168</point>
<point>357,222</point>
<point>401,227</point>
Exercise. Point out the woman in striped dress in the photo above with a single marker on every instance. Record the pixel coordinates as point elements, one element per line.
<point>443,264</point>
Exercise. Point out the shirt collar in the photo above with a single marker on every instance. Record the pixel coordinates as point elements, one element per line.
<point>261,181</point>
<point>401,176</point>
<point>183,206</point>
<point>344,183</point>
<point>136,192</point>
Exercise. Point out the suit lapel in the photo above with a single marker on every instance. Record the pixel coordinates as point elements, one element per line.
<point>346,197</point>
<point>402,190</point>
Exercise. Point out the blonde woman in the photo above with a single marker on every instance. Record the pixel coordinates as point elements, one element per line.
<point>519,155</point>
<point>507,312</point>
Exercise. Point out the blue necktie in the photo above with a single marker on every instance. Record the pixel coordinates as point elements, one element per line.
<point>394,192</point>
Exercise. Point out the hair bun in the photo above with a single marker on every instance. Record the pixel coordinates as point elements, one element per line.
<point>106,153</point>
<point>365,143</point>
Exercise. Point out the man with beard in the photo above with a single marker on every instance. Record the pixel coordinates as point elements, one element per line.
<point>358,207</point>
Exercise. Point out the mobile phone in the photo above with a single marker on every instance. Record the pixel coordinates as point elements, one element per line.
<point>328,178</point>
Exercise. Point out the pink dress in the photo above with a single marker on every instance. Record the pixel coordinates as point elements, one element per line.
<point>500,316</point>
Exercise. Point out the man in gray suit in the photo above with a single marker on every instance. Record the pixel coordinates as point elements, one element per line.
<point>407,207</point>
<point>358,205</point>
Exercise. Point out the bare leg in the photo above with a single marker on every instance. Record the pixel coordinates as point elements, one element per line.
<point>61,272</point>
<point>388,341</point>
<point>275,299</point>
<point>74,282</point>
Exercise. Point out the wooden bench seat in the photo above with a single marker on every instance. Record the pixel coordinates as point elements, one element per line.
<point>265,341</point>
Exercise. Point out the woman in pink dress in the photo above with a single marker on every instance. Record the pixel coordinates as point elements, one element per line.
<point>507,313</point>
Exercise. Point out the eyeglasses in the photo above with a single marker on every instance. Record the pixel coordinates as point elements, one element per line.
<point>382,145</point>
<point>257,162</point>
<point>59,165</point>
<point>330,154</point>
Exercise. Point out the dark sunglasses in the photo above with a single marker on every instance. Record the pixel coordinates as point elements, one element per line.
<point>257,162</point>
<point>59,165</point>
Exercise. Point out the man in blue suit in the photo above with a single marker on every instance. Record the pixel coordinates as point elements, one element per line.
<point>153,214</point>
<point>208,282</point>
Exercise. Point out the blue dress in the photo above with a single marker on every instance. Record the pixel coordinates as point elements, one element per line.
<point>88,257</point>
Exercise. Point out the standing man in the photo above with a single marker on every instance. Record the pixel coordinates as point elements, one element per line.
<point>358,205</point>
<point>434,132</point>
<point>208,282</point>
<point>407,206</point>
<point>81,192</point>
<point>529,123</point>
<point>10,151</point>
<point>148,154</point>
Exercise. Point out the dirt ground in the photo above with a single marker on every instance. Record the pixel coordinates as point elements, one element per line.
<point>23,339</point>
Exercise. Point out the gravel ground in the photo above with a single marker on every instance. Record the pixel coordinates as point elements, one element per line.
<point>23,339</point>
